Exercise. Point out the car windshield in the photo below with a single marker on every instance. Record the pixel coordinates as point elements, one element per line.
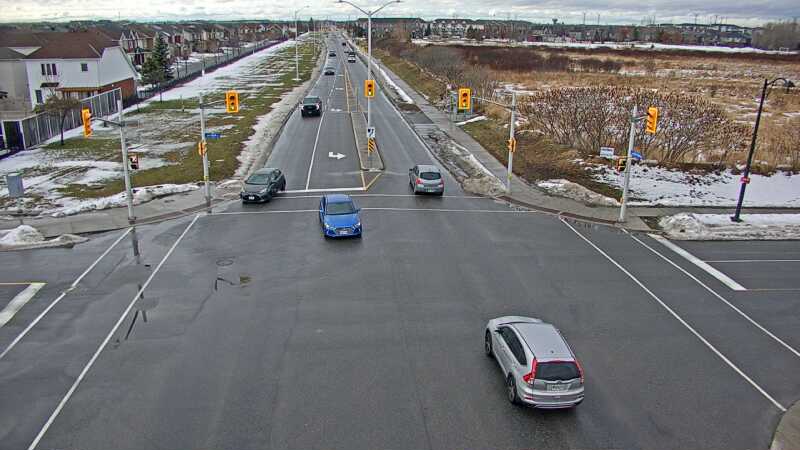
<point>310,100</point>
<point>430,175</point>
<point>557,371</point>
<point>340,208</point>
<point>258,178</point>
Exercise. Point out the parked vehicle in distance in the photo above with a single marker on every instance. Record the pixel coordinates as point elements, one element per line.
<point>344,44</point>
<point>332,54</point>
<point>311,106</point>
<point>339,216</point>
<point>262,185</point>
<point>425,178</point>
<point>351,57</point>
<point>330,70</point>
<point>538,365</point>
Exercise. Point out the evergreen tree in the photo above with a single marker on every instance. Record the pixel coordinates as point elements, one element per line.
<point>161,55</point>
<point>153,72</point>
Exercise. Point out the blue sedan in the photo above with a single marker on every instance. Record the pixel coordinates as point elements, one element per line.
<point>338,216</point>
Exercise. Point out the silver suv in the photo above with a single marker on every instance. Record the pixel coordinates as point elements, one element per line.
<point>538,364</point>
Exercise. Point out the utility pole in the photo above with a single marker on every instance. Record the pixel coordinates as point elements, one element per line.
<point>296,55</point>
<point>627,182</point>
<point>125,171</point>
<point>511,139</point>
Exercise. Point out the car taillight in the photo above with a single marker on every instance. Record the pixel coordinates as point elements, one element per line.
<point>530,377</point>
<point>580,369</point>
<point>420,182</point>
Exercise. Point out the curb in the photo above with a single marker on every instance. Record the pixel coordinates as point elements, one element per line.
<point>787,433</point>
<point>355,134</point>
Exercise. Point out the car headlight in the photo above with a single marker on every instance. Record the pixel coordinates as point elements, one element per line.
<point>328,226</point>
<point>357,225</point>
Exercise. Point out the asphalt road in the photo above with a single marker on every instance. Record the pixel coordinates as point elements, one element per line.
<point>261,334</point>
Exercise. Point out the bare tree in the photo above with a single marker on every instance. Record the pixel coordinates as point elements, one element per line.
<point>59,106</point>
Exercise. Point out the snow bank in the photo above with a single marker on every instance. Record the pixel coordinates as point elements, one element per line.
<point>394,86</point>
<point>566,188</point>
<point>27,237</point>
<point>140,195</point>
<point>474,119</point>
<point>688,226</point>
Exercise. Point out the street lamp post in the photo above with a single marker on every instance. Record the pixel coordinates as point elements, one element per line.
<point>369,14</point>
<point>296,57</point>
<point>746,174</point>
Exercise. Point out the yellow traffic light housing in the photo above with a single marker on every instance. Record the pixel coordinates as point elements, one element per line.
<point>232,102</point>
<point>86,119</point>
<point>201,148</point>
<point>464,98</point>
<point>622,163</point>
<point>369,88</point>
<point>512,145</point>
<point>652,120</point>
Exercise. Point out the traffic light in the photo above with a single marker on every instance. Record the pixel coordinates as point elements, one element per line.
<point>86,118</point>
<point>652,120</point>
<point>622,163</point>
<point>201,148</point>
<point>232,102</point>
<point>464,98</point>
<point>369,88</point>
<point>133,158</point>
<point>512,145</point>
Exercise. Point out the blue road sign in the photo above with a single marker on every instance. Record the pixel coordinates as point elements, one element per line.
<point>636,155</point>
<point>213,135</point>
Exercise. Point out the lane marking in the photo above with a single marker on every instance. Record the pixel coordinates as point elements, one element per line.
<point>314,151</point>
<point>679,319</point>
<point>242,213</point>
<point>752,261</point>
<point>62,295</point>
<point>721,277</point>
<point>715,294</point>
<point>373,180</point>
<point>307,190</point>
<point>102,346</point>
<point>18,302</point>
<point>494,211</point>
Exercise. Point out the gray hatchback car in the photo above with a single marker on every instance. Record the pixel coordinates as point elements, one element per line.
<point>538,365</point>
<point>425,178</point>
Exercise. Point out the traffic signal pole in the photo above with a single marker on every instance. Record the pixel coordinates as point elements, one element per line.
<point>631,138</point>
<point>205,154</point>
<point>125,171</point>
<point>369,66</point>
<point>511,139</point>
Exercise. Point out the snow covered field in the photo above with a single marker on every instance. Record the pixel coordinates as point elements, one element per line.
<point>720,227</point>
<point>664,187</point>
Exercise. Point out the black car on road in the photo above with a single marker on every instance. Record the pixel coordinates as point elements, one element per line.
<point>262,185</point>
<point>311,106</point>
<point>330,71</point>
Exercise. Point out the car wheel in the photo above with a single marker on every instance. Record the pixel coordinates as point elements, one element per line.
<point>511,389</point>
<point>441,193</point>
<point>487,344</point>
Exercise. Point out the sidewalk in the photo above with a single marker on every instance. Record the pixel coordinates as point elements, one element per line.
<point>787,435</point>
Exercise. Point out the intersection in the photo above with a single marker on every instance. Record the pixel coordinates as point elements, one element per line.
<point>262,334</point>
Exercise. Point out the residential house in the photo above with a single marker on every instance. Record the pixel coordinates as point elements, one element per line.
<point>387,26</point>
<point>79,64</point>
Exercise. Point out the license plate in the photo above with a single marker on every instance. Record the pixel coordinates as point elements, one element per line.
<point>343,232</point>
<point>557,387</point>
<point>251,197</point>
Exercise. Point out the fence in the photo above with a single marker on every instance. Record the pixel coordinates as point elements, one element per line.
<point>185,70</point>
<point>30,131</point>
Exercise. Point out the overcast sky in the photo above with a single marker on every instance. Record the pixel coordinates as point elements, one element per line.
<point>749,13</point>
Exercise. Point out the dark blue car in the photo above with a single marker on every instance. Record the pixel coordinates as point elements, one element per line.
<point>338,216</point>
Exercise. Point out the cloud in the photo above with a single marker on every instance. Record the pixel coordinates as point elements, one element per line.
<point>570,11</point>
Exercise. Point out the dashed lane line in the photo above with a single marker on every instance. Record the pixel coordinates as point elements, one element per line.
<point>721,277</point>
<point>103,344</point>
<point>314,151</point>
<point>62,295</point>
<point>679,319</point>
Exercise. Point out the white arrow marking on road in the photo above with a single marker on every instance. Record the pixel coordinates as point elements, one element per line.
<point>335,155</point>
<point>18,302</point>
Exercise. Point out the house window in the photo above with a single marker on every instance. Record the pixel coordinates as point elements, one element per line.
<point>39,98</point>
<point>84,67</point>
<point>54,69</point>
<point>43,69</point>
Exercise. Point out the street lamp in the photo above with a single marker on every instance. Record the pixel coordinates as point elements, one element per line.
<point>296,57</point>
<point>369,15</point>
<point>746,174</point>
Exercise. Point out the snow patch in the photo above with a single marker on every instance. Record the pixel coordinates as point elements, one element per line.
<point>690,226</point>
<point>140,195</point>
<point>394,86</point>
<point>474,119</point>
<point>27,237</point>
<point>566,188</point>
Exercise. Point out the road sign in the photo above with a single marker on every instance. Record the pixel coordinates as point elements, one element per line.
<point>370,145</point>
<point>335,155</point>
<point>133,159</point>
<point>213,135</point>
<point>745,180</point>
<point>370,132</point>
<point>636,155</point>
<point>607,152</point>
